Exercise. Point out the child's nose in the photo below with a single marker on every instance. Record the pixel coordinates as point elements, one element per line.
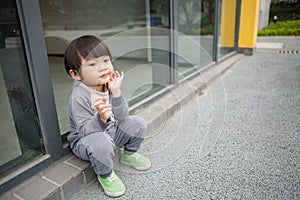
<point>102,67</point>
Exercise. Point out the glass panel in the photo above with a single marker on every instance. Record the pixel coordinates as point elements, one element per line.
<point>195,38</point>
<point>135,31</point>
<point>21,139</point>
<point>227,27</point>
<point>62,86</point>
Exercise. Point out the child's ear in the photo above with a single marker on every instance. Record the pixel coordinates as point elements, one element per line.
<point>74,74</point>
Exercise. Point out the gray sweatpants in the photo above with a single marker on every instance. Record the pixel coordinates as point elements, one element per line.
<point>98,147</point>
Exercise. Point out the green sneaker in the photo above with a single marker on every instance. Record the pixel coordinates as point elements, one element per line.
<point>112,185</point>
<point>136,161</point>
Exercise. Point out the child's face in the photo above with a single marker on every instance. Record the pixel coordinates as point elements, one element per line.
<point>96,71</point>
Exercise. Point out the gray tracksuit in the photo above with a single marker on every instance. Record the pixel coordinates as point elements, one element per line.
<point>93,140</point>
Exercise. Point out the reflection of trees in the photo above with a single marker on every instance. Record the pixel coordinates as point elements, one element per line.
<point>207,24</point>
<point>8,21</point>
<point>209,7</point>
<point>94,13</point>
<point>196,14</point>
<point>285,10</point>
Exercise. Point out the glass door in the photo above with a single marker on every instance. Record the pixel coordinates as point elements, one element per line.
<point>21,139</point>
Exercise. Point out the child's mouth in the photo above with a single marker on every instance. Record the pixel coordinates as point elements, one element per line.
<point>104,75</point>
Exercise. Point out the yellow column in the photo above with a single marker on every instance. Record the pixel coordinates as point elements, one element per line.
<point>228,23</point>
<point>248,24</point>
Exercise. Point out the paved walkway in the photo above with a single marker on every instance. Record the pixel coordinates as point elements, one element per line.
<point>239,140</point>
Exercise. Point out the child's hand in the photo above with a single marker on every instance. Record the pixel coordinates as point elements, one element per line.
<point>103,109</point>
<point>115,83</point>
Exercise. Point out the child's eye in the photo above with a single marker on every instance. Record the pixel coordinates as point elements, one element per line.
<point>92,64</point>
<point>107,60</point>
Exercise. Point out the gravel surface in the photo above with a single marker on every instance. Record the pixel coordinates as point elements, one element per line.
<point>241,140</point>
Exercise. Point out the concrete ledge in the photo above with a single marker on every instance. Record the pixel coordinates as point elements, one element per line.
<point>70,174</point>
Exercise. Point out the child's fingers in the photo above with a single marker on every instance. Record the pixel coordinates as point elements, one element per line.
<point>100,100</point>
<point>97,99</point>
<point>121,74</point>
<point>118,75</point>
<point>101,106</point>
<point>104,111</point>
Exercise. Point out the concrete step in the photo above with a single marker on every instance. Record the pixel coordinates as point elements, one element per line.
<point>58,181</point>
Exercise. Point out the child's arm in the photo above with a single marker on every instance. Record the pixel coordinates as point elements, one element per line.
<point>119,104</point>
<point>85,121</point>
<point>120,107</point>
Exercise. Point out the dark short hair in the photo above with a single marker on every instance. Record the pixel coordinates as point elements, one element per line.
<point>87,47</point>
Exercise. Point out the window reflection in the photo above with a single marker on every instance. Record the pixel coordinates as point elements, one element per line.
<point>195,38</point>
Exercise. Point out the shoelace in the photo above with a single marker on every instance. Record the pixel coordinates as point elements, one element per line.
<point>135,155</point>
<point>111,178</point>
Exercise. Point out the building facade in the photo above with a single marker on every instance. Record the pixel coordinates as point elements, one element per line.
<point>157,43</point>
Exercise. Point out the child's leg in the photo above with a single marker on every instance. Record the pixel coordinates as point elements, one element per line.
<point>130,133</point>
<point>98,148</point>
